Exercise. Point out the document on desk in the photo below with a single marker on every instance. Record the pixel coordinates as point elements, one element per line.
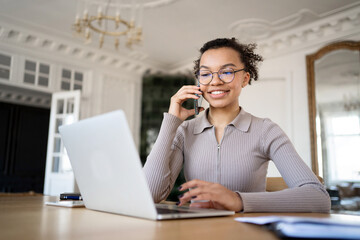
<point>300,227</point>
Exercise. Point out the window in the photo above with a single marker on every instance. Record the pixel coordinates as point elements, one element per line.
<point>342,147</point>
<point>71,80</point>
<point>36,73</point>
<point>5,65</point>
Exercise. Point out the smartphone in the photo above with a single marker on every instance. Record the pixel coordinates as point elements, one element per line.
<point>70,196</point>
<point>197,103</point>
<point>70,204</point>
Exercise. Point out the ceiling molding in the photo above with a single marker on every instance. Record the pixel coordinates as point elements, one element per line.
<point>16,95</point>
<point>129,3</point>
<point>158,3</point>
<point>255,29</point>
<point>337,26</point>
<point>274,39</point>
<point>18,36</point>
<point>333,27</point>
<point>259,29</point>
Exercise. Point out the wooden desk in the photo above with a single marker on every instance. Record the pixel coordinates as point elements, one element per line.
<point>30,218</point>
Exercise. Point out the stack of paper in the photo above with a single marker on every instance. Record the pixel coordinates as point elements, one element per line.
<point>300,227</point>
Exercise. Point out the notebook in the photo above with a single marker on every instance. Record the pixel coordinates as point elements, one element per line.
<point>109,173</point>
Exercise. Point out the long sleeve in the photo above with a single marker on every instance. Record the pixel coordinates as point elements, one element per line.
<point>165,160</point>
<point>305,192</point>
<point>239,162</point>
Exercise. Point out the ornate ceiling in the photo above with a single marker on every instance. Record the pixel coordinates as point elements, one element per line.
<point>174,30</point>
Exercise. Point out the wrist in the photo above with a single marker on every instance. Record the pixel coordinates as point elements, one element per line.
<point>174,116</point>
<point>239,203</point>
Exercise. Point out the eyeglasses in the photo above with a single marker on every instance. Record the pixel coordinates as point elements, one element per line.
<point>225,75</point>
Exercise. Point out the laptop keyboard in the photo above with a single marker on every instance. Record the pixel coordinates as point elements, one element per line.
<point>166,210</point>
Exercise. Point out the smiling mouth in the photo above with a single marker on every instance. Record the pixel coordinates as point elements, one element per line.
<point>217,92</point>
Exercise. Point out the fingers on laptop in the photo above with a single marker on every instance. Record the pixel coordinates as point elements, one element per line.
<point>209,195</point>
<point>197,190</point>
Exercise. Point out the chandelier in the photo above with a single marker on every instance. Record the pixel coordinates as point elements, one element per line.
<point>116,19</point>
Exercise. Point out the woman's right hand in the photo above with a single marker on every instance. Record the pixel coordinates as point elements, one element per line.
<point>184,93</point>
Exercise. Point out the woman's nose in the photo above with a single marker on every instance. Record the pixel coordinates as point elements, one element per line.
<point>216,79</point>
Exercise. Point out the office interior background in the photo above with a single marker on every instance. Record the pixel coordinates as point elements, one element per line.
<point>51,75</point>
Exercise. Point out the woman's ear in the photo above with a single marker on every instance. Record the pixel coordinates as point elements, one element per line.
<point>246,80</point>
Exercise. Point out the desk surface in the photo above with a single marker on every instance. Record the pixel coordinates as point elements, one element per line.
<point>30,218</point>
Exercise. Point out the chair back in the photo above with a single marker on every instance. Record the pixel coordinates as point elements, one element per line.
<point>277,183</point>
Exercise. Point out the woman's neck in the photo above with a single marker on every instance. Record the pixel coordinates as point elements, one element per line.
<point>220,117</point>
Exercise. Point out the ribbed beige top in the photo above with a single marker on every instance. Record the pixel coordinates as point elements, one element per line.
<point>239,162</point>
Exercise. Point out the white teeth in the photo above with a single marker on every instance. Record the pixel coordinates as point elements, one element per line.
<point>217,92</point>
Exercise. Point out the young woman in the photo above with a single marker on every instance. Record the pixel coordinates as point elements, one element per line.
<point>226,151</point>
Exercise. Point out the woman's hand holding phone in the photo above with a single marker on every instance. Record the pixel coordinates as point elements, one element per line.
<point>176,101</point>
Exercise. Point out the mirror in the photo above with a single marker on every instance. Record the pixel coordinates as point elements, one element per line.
<point>334,110</point>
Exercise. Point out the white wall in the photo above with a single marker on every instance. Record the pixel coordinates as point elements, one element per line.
<point>267,98</point>
<point>281,95</point>
<point>104,89</point>
<point>121,91</point>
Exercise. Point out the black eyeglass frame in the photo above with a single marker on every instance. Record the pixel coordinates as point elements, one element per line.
<point>212,76</point>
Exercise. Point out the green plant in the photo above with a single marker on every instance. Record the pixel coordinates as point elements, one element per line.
<point>156,94</point>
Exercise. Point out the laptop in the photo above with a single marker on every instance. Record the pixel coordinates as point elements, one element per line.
<point>109,173</point>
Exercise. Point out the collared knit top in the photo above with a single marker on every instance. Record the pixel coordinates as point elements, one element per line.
<point>239,162</point>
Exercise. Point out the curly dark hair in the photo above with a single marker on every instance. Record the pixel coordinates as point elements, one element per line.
<point>246,52</point>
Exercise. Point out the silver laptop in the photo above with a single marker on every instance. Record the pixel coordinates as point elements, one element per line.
<point>109,173</point>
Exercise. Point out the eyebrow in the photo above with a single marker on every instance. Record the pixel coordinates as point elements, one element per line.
<point>223,66</point>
